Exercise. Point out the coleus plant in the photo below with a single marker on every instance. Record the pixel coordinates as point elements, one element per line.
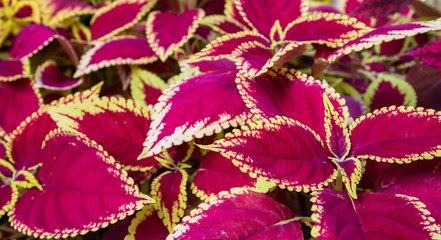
<point>230,146</point>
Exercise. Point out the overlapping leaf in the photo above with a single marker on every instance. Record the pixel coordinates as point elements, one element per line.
<point>167,31</point>
<point>216,174</point>
<point>420,179</point>
<point>397,134</point>
<point>55,11</point>
<point>239,214</point>
<point>195,107</point>
<point>41,36</point>
<point>146,87</point>
<point>19,99</point>
<point>132,50</point>
<point>299,162</point>
<point>118,16</point>
<point>83,190</point>
<point>121,137</point>
<point>389,90</point>
<point>430,54</point>
<point>11,70</point>
<point>147,226</point>
<point>371,216</point>
<point>379,8</point>
<point>170,192</point>
<point>8,197</point>
<point>292,94</point>
<point>24,151</point>
<point>49,76</point>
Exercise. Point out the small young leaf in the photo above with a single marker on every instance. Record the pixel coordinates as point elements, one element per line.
<point>147,226</point>
<point>49,76</point>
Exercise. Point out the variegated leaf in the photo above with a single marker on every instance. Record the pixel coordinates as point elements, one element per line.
<point>224,46</point>
<point>429,54</point>
<point>90,93</point>
<point>8,197</point>
<point>23,47</point>
<point>193,108</point>
<point>146,87</point>
<point>19,99</point>
<point>289,93</point>
<point>170,192</point>
<point>420,179</point>
<point>389,90</point>
<point>371,216</point>
<point>239,214</point>
<point>83,190</point>
<point>118,16</point>
<point>222,24</point>
<point>379,8</point>
<point>147,226</point>
<point>397,134</point>
<point>49,76</point>
<point>263,14</point>
<point>384,34</point>
<point>132,50</point>
<point>351,174</point>
<point>330,29</point>
<point>11,70</point>
<point>167,31</point>
<point>122,137</point>
<point>217,173</point>
<point>55,11</point>
<point>23,150</point>
<point>280,151</point>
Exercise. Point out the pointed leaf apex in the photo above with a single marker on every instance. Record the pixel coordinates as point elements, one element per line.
<point>145,154</point>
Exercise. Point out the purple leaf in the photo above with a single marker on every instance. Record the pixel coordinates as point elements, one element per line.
<point>132,50</point>
<point>8,196</point>
<point>11,70</point>
<point>222,24</point>
<point>49,76</point>
<point>83,190</point>
<point>281,151</point>
<point>239,214</point>
<point>371,216</point>
<point>55,11</point>
<point>147,226</point>
<point>216,174</point>
<point>193,108</point>
<point>167,31</point>
<point>118,16</point>
<point>397,135</point>
<point>146,87</point>
<point>429,54</point>
<point>427,83</point>
<point>379,8</point>
<point>170,193</point>
<point>19,99</point>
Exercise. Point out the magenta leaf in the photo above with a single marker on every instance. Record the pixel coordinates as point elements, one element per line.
<point>263,14</point>
<point>420,179</point>
<point>167,31</point>
<point>371,216</point>
<point>317,29</point>
<point>11,70</point>
<point>397,135</point>
<point>132,50</point>
<point>389,90</point>
<point>55,11</point>
<point>383,34</point>
<point>8,196</point>
<point>429,54</point>
<point>216,174</point>
<point>224,46</point>
<point>280,151</point>
<point>84,187</point>
<point>24,151</point>
<point>49,76</point>
<point>292,94</point>
<point>2,149</point>
<point>19,99</point>
<point>222,24</point>
<point>147,226</point>
<point>239,214</point>
<point>350,170</point>
<point>118,16</point>
<point>122,137</point>
<point>379,8</point>
<point>426,82</point>
<point>146,87</point>
<point>193,108</point>
<point>23,47</point>
<point>170,193</point>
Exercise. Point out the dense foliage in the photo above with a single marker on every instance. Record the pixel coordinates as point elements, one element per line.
<point>220,119</point>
